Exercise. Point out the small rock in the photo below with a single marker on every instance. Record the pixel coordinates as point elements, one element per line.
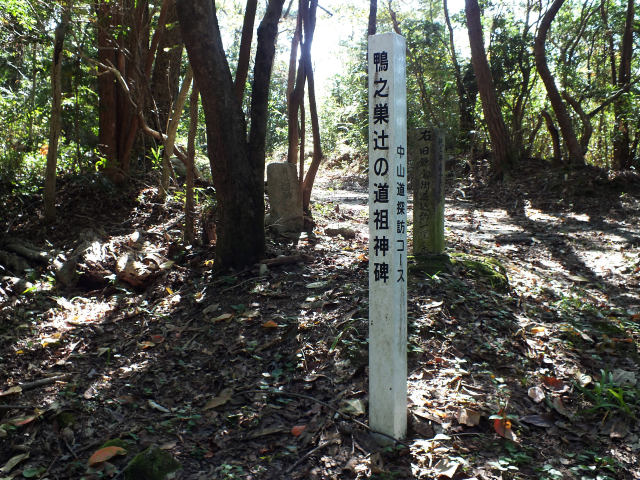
<point>340,229</point>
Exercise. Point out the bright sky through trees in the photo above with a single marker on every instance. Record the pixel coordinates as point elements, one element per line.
<point>333,28</point>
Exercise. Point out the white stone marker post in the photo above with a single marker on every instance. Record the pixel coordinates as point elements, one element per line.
<point>387,235</point>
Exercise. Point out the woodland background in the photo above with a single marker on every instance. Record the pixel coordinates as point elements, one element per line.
<point>147,317</point>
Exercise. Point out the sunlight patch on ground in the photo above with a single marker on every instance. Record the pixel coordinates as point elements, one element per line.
<point>538,215</point>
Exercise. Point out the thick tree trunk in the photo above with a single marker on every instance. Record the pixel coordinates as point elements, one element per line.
<point>56,115</point>
<point>238,169</point>
<point>621,140</point>
<point>576,155</point>
<point>503,152</point>
<point>373,13</point>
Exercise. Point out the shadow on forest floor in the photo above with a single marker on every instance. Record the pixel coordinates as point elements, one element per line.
<point>258,374</point>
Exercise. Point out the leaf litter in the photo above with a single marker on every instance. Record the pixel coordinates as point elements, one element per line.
<point>498,380</point>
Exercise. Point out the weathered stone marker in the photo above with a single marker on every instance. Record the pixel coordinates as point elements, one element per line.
<point>387,235</point>
<point>285,199</point>
<point>428,193</point>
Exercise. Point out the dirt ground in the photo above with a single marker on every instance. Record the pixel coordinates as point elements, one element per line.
<point>523,350</point>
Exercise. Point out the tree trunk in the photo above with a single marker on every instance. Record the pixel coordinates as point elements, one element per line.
<point>295,89</point>
<point>373,13</point>
<point>56,115</point>
<point>576,155</point>
<point>165,77</point>
<point>464,105</point>
<point>587,128</point>
<point>172,130</point>
<point>503,152</point>
<point>189,235</point>
<point>237,167</point>
<point>242,70</point>
<point>555,137</point>
<point>307,186</point>
<point>123,30</point>
<point>621,140</point>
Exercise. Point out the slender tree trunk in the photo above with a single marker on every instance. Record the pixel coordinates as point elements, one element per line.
<point>587,128</point>
<point>576,156</point>
<point>621,140</point>
<point>295,89</point>
<point>555,137</point>
<point>171,133</point>
<point>242,69</point>
<point>503,151</point>
<point>107,84</point>
<point>56,115</point>
<point>307,185</point>
<point>189,214</point>
<point>164,73</point>
<point>464,106</point>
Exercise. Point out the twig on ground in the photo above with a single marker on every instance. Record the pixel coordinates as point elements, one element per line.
<point>330,407</point>
<point>309,453</point>
<point>43,381</point>
<point>16,407</point>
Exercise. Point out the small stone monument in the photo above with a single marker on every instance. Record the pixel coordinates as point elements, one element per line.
<point>428,193</point>
<point>285,199</point>
<point>387,236</point>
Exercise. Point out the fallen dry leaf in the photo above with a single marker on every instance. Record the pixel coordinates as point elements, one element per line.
<point>104,454</point>
<point>554,383</point>
<point>269,324</point>
<point>19,421</point>
<point>536,394</point>
<point>468,417</point>
<point>222,318</point>
<point>297,430</point>
<point>446,468</point>
<point>538,420</point>
<point>13,461</point>
<point>223,397</point>
<point>11,391</point>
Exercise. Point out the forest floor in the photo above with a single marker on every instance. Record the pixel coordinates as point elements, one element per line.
<point>523,352</point>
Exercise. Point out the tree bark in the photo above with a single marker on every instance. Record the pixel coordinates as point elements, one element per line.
<point>164,73</point>
<point>56,115</point>
<point>242,70</point>
<point>621,140</point>
<point>576,156</point>
<point>123,31</point>
<point>189,230</point>
<point>295,89</point>
<point>373,13</point>
<point>307,186</point>
<point>172,130</point>
<point>503,152</point>
<point>237,167</point>
<point>555,137</point>
<point>464,105</point>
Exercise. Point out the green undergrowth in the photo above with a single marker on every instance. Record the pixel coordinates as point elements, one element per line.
<point>486,269</point>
